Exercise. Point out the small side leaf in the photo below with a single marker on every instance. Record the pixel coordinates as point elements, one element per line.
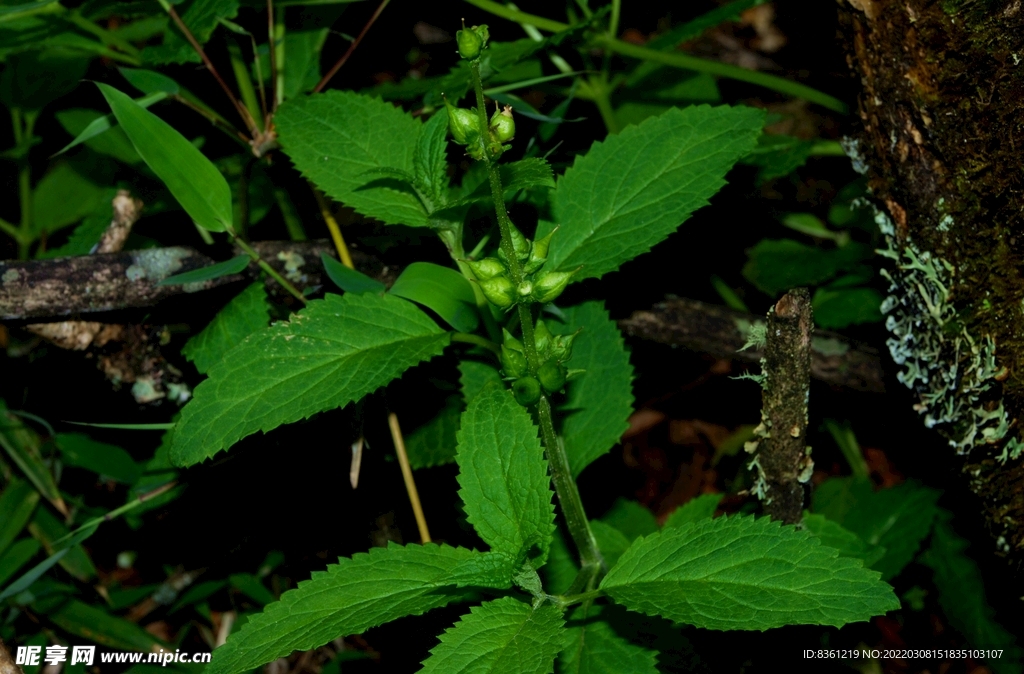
<point>431,160</point>
<point>226,268</point>
<point>81,451</point>
<point>504,636</point>
<point>745,573</point>
<point>350,597</point>
<point>701,508</point>
<point>350,280</point>
<point>102,123</point>
<point>503,477</point>
<point>592,646</point>
<point>600,400</point>
<point>444,290</point>
<point>631,518</point>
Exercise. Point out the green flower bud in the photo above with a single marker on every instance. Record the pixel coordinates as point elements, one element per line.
<point>551,376</point>
<point>542,339</point>
<point>464,124</point>
<point>525,288</point>
<point>510,341</point>
<point>550,285</point>
<point>499,290</point>
<point>526,391</point>
<point>513,362</point>
<point>486,268</point>
<point>539,253</point>
<point>561,347</point>
<point>503,127</point>
<point>471,41</point>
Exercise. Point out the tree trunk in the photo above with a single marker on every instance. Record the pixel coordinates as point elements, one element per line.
<point>940,113</point>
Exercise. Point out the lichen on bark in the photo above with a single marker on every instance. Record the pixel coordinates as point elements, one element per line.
<point>941,91</point>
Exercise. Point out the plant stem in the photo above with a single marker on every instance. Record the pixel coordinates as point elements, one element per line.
<point>565,601</point>
<point>267,268</point>
<point>410,482</point>
<point>561,475</point>
<point>476,340</point>
<point>351,48</point>
<point>674,59</point>
<point>23,126</point>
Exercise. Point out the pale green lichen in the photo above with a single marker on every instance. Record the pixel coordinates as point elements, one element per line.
<point>155,264</point>
<point>828,346</point>
<point>10,276</point>
<point>293,262</point>
<point>951,370</point>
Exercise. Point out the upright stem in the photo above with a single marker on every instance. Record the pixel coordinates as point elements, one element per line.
<point>247,249</point>
<point>24,123</point>
<point>561,474</point>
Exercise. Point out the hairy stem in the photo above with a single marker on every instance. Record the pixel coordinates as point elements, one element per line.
<point>561,474</point>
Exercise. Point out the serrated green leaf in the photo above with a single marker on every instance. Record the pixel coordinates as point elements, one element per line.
<point>87,235</point>
<point>335,137</point>
<point>62,198</point>
<point>504,636</point>
<point>430,162</point>
<point>836,536</point>
<point>843,307</point>
<point>503,477</point>
<point>561,568</point>
<point>201,17</point>
<point>778,155</point>
<point>897,519</point>
<point>350,280</point>
<point>331,353</point>
<point>442,289</point>
<point>962,597</point>
<point>17,502</point>
<point>352,596</point>
<point>433,443</point>
<point>631,518</point>
<point>17,556</point>
<point>226,268</point>
<point>745,573</point>
<point>245,314</point>
<point>592,646</point>
<point>600,400</point>
<point>701,508</point>
<point>81,451</point>
<point>191,178</point>
<point>635,188</point>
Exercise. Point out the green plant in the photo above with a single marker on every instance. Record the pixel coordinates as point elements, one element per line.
<point>614,203</point>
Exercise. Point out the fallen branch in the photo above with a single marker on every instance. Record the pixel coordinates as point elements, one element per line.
<point>41,290</point>
<point>722,332</point>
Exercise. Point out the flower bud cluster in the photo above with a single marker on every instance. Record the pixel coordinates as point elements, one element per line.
<point>464,125</point>
<point>495,279</point>
<point>552,353</point>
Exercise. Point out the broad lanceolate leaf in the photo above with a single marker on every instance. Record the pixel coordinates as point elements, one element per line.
<point>201,17</point>
<point>335,138</point>
<point>849,544</point>
<point>354,595</point>
<point>15,557</point>
<point>962,597</point>
<point>333,352</point>
<point>633,189</point>
<point>701,508</point>
<point>592,646</point>
<point>503,477</point>
<point>192,178</point>
<point>897,519</point>
<point>600,400</point>
<point>245,314</point>
<point>745,573</point>
<point>63,197</point>
<point>442,289</point>
<point>96,130</point>
<point>504,636</point>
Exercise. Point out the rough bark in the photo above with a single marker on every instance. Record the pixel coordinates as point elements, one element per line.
<point>940,112</point>
<point>784,465</point>
<point>54,289</point>
<point>722,332</point>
